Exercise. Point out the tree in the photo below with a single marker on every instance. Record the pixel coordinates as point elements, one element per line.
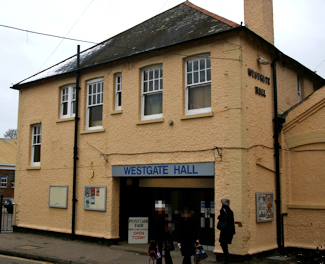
<point>11,134</point>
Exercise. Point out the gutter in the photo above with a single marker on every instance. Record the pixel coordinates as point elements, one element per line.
<point>277,129</point>
<point>75,149</point>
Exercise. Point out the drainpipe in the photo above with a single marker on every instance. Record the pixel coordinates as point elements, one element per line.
<point>277,154</point>
<point>75,149</point>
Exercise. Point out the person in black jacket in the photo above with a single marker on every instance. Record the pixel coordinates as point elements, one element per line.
<point>227,233</point>
<point>187,236</point>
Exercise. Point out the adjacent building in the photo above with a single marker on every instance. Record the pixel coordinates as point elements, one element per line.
<point>183,109</point>
<point>7,166</point>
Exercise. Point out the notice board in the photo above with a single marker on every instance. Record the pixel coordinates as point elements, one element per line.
<point>95,198</point>
<point>58,196</point>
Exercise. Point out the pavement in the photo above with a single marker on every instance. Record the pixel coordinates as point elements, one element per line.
<point>66,251</point>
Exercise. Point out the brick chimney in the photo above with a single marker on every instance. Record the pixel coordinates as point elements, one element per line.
<point>259,18</point>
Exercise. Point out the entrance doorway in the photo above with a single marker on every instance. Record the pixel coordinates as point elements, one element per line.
<point>138,201</point>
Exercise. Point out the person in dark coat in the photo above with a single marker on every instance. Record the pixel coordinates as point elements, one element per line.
<point>187,236</point>
<point>227,233</point>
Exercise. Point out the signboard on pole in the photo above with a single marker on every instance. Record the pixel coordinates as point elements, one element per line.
<point>138,230</point>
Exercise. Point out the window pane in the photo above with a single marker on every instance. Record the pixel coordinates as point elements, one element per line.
<point>95,116</point>
<point>208,63</point>
<point>150,75</point>
<point>209,75</point>
<point>150,86</point>
<point>156,73</point>
<point>189,78</point>
<point>196,77</point>
<point>65,108</point>
<point>196,65</point>
<point>37,153</point>
<point>202,64</point>
<point>156,84</point>
<point>153,104</point>
<point>202,76</point>
<point>145,87</point>
<point>119,99</point>
<point>161,84</point>
<point>199,97</point>
<point>145,77</point>
<point>74,107</point>
<point>189,66</point>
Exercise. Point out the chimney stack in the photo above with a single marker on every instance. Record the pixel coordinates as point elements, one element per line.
<point>259,18</point>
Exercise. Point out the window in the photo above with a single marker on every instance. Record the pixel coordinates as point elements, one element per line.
<point>68,101</point>
<point>12,178</point>
<point>95,104</point>
<point>198,85</point>
<point>118,91</point>
<point>36,145</point>
<point>151,91</point>
<point>299,88</point>
<point>4,181</point>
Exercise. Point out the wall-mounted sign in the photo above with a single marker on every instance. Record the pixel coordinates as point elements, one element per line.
<point>165,170</point>
<point>258,76</point>
<point>58,196</point>
<point>138,230</point>
<point>95,198</point>
<point>264,207</point>
<point>260,91</point>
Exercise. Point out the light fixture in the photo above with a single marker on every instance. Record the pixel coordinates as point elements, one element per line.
<point>170,122</point>
<point>263,61</point>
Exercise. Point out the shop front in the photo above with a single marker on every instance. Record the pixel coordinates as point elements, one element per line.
<point>177,188</point>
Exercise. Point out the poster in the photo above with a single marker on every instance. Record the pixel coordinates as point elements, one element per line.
<point>95,198</point>
<point>264,207</point>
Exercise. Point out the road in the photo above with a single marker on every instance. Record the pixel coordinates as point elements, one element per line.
<point>15,260</point>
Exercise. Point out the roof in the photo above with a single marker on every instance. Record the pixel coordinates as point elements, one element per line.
<point>183,23</point>
<point>8,151</point>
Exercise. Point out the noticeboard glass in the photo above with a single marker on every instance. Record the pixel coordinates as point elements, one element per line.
<point>95,198</point>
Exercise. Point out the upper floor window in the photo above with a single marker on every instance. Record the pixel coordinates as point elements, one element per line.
<point>36,145</point>
<point>68,101</point>
<point>299,88</point>
<point>152,93</point>
<point>118,91</point>
<point>12,178</point>
<point>198,85</point>
<point>95,104</point>
<point>4,181</point>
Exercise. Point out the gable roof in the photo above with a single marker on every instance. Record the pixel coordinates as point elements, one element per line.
<point>8,151</point>
<point>182,23</point>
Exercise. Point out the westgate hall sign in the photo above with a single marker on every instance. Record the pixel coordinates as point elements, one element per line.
<point>165,170</point>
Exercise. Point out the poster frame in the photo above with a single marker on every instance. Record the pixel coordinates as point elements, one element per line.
<point>268,216</point>
<point>58,204</point>
<point>101,198</point>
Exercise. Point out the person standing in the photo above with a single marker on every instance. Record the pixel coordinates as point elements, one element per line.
<point>227,227</point>
<point>188,236</point>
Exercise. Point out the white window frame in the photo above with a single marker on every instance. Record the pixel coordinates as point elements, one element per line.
<point>299,88</point>
<point>207,72</point>
<point>4,181</point>
<point>36,141</point>
<point>99,101</point>
<point>156,88</point>
<point>118,91</point>
<point>68,96</point>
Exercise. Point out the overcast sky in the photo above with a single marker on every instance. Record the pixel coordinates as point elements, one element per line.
<point>298,26</point>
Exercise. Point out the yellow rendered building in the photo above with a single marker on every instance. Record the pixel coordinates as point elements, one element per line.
<point>178,110</point>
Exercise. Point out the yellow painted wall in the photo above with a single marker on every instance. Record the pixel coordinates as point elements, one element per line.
<point>303,139</point>
<point>240,119</point>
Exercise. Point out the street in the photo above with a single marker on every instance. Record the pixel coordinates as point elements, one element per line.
<point>15,260</point>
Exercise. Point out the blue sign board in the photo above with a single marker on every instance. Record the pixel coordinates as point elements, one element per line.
<point>165,170</point>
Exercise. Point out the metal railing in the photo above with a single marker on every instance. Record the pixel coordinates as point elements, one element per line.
<point>6,216</point>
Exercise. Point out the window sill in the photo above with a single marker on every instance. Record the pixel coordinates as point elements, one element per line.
<point>65,119</point>
<point>151,121</point>
<point>92,131</point>
<point>185,117</point>
<point>33,168</point>
<point>116,112</point>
